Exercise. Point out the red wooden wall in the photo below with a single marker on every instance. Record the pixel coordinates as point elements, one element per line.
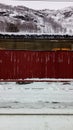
<point>18,64</point>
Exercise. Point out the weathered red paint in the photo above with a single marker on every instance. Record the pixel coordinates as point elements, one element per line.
<point>18,64</point>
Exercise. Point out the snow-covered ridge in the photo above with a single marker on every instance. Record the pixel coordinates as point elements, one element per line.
<point>24,20</point>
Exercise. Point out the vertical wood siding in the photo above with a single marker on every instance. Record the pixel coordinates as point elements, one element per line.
<point>35,64</point>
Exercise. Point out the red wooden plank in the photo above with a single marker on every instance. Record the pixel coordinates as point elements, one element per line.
<point>64,65</point>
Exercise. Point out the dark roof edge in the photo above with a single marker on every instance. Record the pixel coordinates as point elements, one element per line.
<point>36,37</point>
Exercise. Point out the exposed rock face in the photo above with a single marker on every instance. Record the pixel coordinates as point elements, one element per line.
<point>23,19</point>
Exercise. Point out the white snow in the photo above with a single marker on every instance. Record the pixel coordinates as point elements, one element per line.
<point>38,105</point>
<point>36,122</point>
<point>36,96</point>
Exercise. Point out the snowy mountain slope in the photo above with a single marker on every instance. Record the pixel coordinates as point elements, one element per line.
<point>23,19</point>
<point>63,18</point>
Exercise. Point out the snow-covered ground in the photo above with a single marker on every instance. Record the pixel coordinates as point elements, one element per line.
<point>36,95</point>
<point>36,122</point>
<point>38,105</point>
